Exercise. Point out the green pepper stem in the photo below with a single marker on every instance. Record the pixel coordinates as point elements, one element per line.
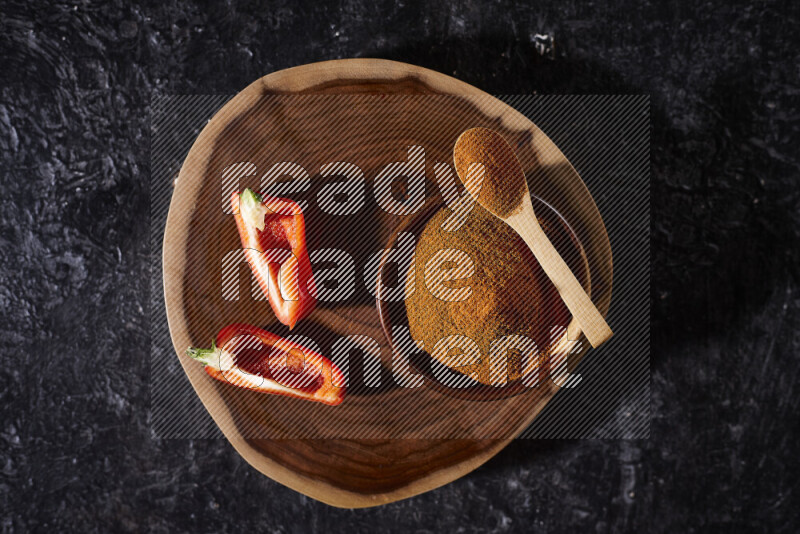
<point>249,191</point>
<point>204,356</point>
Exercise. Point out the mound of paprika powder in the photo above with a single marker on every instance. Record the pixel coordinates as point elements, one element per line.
<point>510,294</point>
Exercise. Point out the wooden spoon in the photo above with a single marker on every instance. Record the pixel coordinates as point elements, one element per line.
<point>502,189</point>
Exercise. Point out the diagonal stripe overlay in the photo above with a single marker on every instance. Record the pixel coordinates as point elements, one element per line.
<point>365,168</point>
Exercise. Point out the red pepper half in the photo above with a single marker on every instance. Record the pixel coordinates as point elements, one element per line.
<point>273,234</point>
<point>248,357</point>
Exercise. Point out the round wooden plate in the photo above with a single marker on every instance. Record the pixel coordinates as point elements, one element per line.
<point>396,439</point>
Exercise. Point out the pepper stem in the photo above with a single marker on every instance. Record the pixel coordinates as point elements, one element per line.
<point>204,356</point>
<point>252,210</point>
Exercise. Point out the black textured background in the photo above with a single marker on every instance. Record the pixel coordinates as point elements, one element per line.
<point>75,448</point>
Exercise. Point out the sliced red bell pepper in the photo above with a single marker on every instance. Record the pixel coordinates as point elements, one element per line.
<point>273,235</point>
<point>251,358</point>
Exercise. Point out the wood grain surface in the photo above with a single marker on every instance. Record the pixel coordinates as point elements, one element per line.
<point>398,442</point>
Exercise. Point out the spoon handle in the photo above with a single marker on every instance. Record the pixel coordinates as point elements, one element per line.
<point>592,323</point>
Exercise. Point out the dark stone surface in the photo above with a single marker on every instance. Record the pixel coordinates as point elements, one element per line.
<point>75,449</point>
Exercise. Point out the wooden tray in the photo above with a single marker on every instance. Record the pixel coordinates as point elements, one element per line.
<point>357,471</point>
